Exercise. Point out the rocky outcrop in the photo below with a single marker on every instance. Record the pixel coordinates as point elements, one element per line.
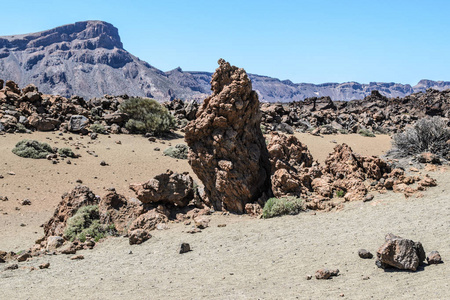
<point>70,203</point>
<point>290,162</point>
<point>227,149</point>
<point>400,253</point>
<point>115,209</point>
<point>167,188</point>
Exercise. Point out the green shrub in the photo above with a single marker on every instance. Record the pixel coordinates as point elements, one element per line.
<point>97,128</point>
<point>180,151</point>
<point>366,132</point>
<point>147,116</point>
<point>86,221</point>
<point>21,128</point>
<point>32,149</point>
<point>427,135</point>
<point>340,193</point>
<point>263,129</point>
<point>67,152</point>
<point>282,206</point>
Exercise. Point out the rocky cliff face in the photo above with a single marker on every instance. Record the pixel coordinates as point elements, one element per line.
<point>88,59</point>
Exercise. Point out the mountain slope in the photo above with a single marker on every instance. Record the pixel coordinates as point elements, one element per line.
<point>88,59</point>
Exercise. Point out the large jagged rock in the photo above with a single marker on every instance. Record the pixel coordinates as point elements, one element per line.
<point>400,253</point>
<point>116,209</point>
<point>290,162</point>
<point>227,149</point>
<point>347,171</point>
<point>167,188</point>
<point>70,203</point>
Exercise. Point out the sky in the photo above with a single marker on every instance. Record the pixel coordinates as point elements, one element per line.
<point>304,41</point>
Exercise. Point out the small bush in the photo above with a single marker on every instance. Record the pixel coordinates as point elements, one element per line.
<point>366,132</point>
<point>282,206</point>
<point>427,135</point>
<point>20,128</point>
<point>86,221</point>
<point>180,151</point>
<point>147,116</point>
<point>32,149</point>
<point>67,152</point>
<point>97,128</point>
<point>340,193</point>
<point>263,129</point>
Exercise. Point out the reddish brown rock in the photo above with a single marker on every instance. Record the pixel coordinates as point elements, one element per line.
<point>150,219</point>
<point>138,236</point>
<point>168,188</point>
<point>115,209</point>
<point>326,273</point>
<point>290,161</point>
<point>70,203</point>
<point>400,253</point>
<point>227,149</point>
<point>253,209</point>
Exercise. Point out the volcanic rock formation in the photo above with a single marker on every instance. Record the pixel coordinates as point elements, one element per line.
<point>228,151</point>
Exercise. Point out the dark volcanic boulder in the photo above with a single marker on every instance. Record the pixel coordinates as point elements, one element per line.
<point>400,253</point>
<point>77,123</point>
<point>227,149</point>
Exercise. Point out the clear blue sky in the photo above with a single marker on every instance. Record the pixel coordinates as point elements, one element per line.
<point>304,41</point>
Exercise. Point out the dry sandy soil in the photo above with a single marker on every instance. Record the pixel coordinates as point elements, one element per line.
<point>247,259</point>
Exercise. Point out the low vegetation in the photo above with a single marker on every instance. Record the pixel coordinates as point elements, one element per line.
<point>147,116</point>
<point>32,149</point>
<point>86,222</point>
<point>340,193</point>
<point>366,132</point>
<point>66,152</point>
<point>427,135</point>
<point>180,151</point>
<point>282,206</point>
<point>97,128</point>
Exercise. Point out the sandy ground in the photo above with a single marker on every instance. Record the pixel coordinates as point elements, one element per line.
<point>247,259</point>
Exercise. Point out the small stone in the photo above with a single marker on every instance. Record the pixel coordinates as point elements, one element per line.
<point>3,198</point>
<point>434,258</point>
<point>366,278</point>
<point>156,149</point>
<point>152,139</point>
<point>103,163</point>
<point>77,257</point>
<point>11,173</point>
<point>194,230</point>
<point>44,266</point>
<point>308,277</point>
<point>68,162</point>
<point>12,267</point>
<point>138,236</point>
<point>326,273</point>
<point>118,142</point>
<point>368,197</point>
<point>79,181</point>
<point>23,257</point>
<point>185,247</point>
<point>363,253</point>
<point>222,225</point>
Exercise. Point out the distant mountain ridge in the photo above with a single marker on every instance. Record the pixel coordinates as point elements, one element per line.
<point>88,59</point>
